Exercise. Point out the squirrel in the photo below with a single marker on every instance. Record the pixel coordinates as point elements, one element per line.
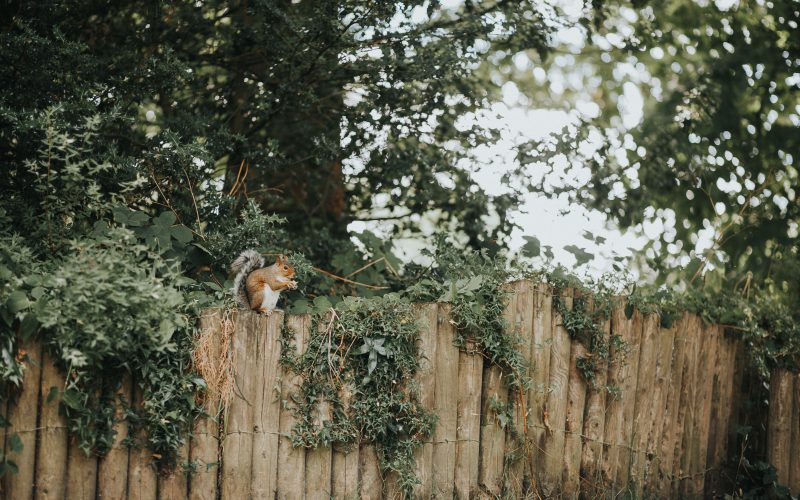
<point>257,287</point>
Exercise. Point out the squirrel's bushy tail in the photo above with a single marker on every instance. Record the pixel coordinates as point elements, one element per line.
<point>247,262</point>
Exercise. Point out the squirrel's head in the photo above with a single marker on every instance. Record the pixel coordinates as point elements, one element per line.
<point>284,267</point>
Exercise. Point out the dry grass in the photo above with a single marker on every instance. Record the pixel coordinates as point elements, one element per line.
<point>214,360</point>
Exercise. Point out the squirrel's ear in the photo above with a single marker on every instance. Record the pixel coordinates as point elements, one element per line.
<point>281,258</point>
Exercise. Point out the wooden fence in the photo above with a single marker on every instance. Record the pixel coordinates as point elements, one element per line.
<point>783,431</point>
<point>664,435</point>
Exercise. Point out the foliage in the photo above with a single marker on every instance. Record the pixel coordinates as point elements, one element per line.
<point>471,282</point>
<point>361,359</point>
<point>710,172</point>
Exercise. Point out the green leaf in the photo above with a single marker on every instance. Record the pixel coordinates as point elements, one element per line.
<point>322,303</point>
<point>16,443</point>
<point>17,301</point>
<point>52,395</point>
<point>165,219</point>
<point>182,233</point>
<point>532,246</point>
<point>581,255</point>
<point>12,466</point>
<point>629,310</point>
<point>28,326</point>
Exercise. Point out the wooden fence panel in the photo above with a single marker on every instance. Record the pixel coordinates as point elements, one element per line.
<point>470,373</point>
<point>573,424</point>
<point>541,346</point>
<point>292,463</point>
<point>81,473</point>
<point>444,438</point>
<point>319,460</point>
<point>794,461</point>
<point>556,410</point>
<point>644,402</point>
<point>237,447</point>
<point>662,465</point>
<point>23,417</point>
<point>51,460</point>
<point>428,315</point>
<point>266,418</point>
<point>523,323</point>
<point>594,425</point>
<point>204,450</point>
<point>781,406</point>
<point>666,434</point>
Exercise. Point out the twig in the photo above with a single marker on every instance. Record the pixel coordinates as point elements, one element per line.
<point>194,201</point>
<point>374,287</point>
<point>365,266</point>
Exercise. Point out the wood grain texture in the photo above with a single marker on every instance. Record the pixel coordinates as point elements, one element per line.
<point>779,452</point>
<point>541,346</point>
<point>292,463</point>
<point>112,469</point>
<point>573,423</point>
<point>174,484</point>
<point>237,446</point>
<point>645,402</point>
<point>633,340</point>
<point>23,418</point>
<point>661,389</point>
<point>428,315</point>
<point>709,348</point>
<point>446,407</point>
<point>720,417</point>
<point>493,435</point>
<point>662,466</point>
<point>517,450</point>
<point>142,479</point>
<point>345,473</point>
<point>692,393</point>
<point>555,413</point>
<point>319,460</point>
<point>266,416</point>
<point>594,420</point>
<point>794,460</point>
<point>81,473</point>
<point>51,462</point>
<point>371,487</point>
<point>685,413</point>
<point>204,449</point>
<point>470,374</point>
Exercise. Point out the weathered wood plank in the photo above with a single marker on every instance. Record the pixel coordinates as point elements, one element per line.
<point>661,390</point>
<point>692,390</point>
<point>23,417</point>
<point>794,462</point>
<point>428,315</point>
<point>291,466</point>
<point>645,401</point>
<point>617,373</point>
<point>112,469</point>
<point>370,472</point>
<point>633,335</point>
<point>470,373</point>
<point>709,347</point>
<point>51,462</point>
<point>319,460</point>
<point>594,425</point>
<point>556,409</point>
<point>266,418</point>
<point>686,403</point>
<point>142,479</point>
<point>661,477</point>
<point>345,473</point>
<point>237,446</point>
<point>81,473</point>
<point>779,452</point>
<point>517,450</point>
<point>576,405</point>
<point>204,449</point>
<point>446,400</point>
<point>720,416</point>
<point>174,484</point>
<point>541,347</point>
<point>494,396</point>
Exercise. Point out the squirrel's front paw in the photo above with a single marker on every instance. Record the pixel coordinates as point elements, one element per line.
<point>264,310</point>
<point>292,285</point>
